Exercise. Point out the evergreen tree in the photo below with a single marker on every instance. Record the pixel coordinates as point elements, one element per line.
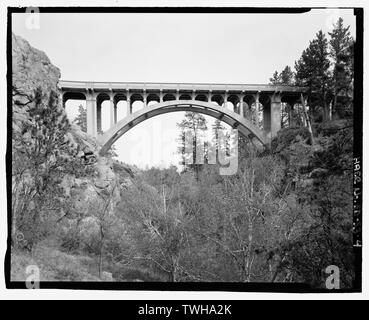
<point>195,124</point>
<point>81,119</point>
<point>275,79</point>
<point>286,77</point>
<point>43,152</point>
<point>216,128</point>
<point>312,71</point>
<point>341,52</point>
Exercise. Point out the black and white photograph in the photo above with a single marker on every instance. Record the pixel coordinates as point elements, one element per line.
<point>174,148</point>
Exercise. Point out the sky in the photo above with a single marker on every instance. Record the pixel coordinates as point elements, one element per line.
<point>210,48</point>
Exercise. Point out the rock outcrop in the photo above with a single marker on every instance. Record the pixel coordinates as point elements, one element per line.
<point>32,68</point>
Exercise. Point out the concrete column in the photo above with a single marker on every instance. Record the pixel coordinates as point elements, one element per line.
<point>241,97</point>
<point>257,108</point>
<point>225,98</point>
<point>209,97</point>
<point>275,114</point>
<point>144,99</point>
<point>257,95</point>
<point>91,110</point>
<point>113,111</point>
<point>98,117</point>
<point>291,103</point>
<point>115,114</point>
<point>290,111</point>
<point>161,96</point>
<point>266,116</point>
<point>129,108</point>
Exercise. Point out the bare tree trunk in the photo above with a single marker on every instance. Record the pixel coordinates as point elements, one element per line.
<point>249,251</point>
<point>164,200</point>
<point>250,233</point>
<point>173,273</point>
<point>307,119</point>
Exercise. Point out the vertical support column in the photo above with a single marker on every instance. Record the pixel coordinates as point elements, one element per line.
<point>113,110</point>
<point>291,120</point>
<point>161,96</point>
<point>115,114</point>
<point>98,115</point>
<point>91,114</point>
<point>275,114</point>
<point>129,108</point>
<point>225,99</point>
<point>241,111</point>
<point>257,108</point>
<point>266,114</point>
<point>144,99</point>
<point>209,97</point>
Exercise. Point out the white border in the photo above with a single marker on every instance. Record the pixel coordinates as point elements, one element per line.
<point>129,295</point>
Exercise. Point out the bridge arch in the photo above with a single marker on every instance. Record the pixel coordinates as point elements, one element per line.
<point>244,125</point>
<point>256,108</point>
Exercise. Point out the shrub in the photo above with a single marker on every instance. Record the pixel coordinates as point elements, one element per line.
<point>287,136</point>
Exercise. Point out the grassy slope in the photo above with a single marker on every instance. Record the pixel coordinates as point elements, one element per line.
<point>54,265</point>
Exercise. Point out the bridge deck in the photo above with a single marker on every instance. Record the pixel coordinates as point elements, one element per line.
<point>157,86</point>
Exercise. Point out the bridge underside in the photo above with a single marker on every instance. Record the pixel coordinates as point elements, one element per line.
<point>256,110</point>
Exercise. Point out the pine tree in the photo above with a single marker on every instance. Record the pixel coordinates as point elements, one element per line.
<point>341,53</point>
<point>81,119</point>
<point>275,79</point>
<point>43,152</point>
<point>312,71</point>
<point>286,77</point>
<point>194,123</point>
<point>216,128</point>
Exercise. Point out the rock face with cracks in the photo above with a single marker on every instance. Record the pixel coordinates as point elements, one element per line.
<point>33,69</point>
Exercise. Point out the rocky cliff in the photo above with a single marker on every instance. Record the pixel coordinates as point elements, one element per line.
<point>32,69</point>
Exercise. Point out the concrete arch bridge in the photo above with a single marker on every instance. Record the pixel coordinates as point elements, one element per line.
<point>255,110</point>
